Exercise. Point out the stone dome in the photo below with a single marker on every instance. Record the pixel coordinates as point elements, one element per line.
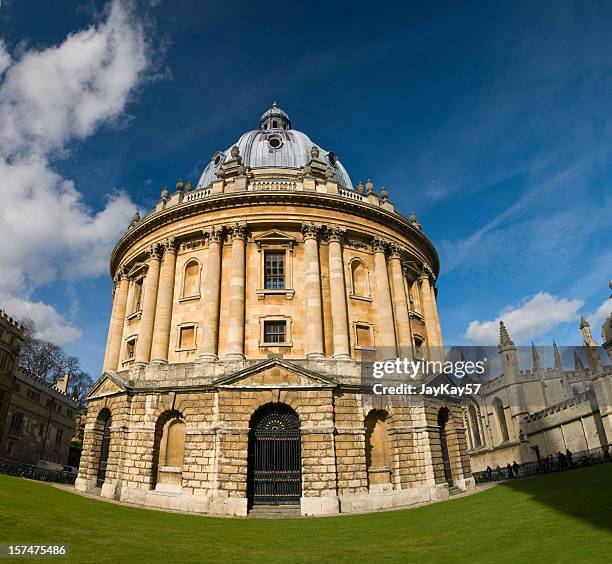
<point>275,144</point>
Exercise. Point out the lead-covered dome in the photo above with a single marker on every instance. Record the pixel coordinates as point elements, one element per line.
<point>275,145</point>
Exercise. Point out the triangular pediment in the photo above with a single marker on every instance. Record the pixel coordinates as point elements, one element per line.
<point>107,385</point>
<point>275,373</point>
<point>274,236</point>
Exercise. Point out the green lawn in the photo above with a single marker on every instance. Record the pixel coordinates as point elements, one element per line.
<point>559,518</point>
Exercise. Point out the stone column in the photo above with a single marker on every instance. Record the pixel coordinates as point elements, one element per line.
<point>165,295</point>
<point>337,290</point>
<point>210,340</point>
<point>434,302</point>
<point>235,337</point>
<point>400,304</point>
<point>314,305</point>
<point>429,316</point>
<point>149,301</point>
<point>383,305</point>
<point>115,328</point>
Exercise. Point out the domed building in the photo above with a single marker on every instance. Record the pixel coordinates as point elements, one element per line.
<point>245,309</point>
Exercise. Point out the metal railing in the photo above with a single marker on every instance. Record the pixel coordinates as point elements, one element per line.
<point>21,470</point>
<point>581,459</point>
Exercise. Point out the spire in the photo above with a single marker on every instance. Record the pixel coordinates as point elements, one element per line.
<point>504,338</point>
<point>535,358</point>
<point>578,361</point>
<point>587,336</point>
<point>557,354</point>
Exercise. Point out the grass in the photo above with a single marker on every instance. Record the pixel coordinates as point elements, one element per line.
<point>563,517</point>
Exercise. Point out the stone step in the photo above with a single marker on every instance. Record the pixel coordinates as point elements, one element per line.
<point>275,511</point>
<point>454,490</point>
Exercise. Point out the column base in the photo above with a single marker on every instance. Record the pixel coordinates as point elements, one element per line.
<point>315,356</point>
<point>341,356</point>
<point>159,361</point>
<point>207,357</point>
<point>234,356</point>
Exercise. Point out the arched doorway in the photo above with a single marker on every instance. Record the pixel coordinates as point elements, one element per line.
<point>442,422</point>
<point>104,421</point>
<point>274,466</point>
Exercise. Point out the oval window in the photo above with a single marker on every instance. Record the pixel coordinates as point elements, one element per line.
<point>275,142</point>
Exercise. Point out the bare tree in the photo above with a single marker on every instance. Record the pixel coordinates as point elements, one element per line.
<point>50,362</point>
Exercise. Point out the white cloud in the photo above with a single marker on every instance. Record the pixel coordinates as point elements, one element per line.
<point>5,58</point>
<point>528,320</point>
<point>597,318</point>
<point>51,326</point>
<point>49,98</point>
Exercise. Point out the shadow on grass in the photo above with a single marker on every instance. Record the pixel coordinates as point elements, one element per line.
<point>578,493</point>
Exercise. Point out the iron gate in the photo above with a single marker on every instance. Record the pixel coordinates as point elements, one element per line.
<point>104,448</point>
<point>275,476</point>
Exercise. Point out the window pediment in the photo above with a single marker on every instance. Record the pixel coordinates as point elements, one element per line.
<point>138,269</point>
<point>273,238</point>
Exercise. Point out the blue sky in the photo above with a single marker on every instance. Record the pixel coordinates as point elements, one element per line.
<point>490,121</point>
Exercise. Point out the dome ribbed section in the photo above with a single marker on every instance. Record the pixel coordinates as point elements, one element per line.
<point>275,147</point>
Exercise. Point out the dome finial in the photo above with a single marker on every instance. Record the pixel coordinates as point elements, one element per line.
<point>274,118</point>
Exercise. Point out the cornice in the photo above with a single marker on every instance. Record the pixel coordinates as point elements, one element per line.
<point>231,201</point>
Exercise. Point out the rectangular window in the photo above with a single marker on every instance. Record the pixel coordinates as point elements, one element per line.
<point>16,387</point>
<point>10,447</point>
<point>58,436</point>
<point>418,347</point>
<point>33,395</point>
<point>274,275</point>
<point>187,337</point>
<point>275,332</point>
<point>41,430</point>
<point>364,336</point>
<point>137,295</point>
<point>17,422</point>
<point>48,404</point>
<point>130,349</point>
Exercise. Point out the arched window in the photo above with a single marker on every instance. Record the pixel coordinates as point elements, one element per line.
<point>501,419</point>
<point>359,279</point>
<point>476,440</point>
<point>169,451</point>
<point>274,124</point>
<point>378,450</point>
<point>191,279</point>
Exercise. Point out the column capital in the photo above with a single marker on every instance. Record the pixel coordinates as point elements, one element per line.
<point>395,250</point>
<point>311,230</point>
<point>237,231</point>
<point>335,233</point>
<point>154,252</point>
<point>379,244</point>
<point>214,233</point>
<point>428,272</point>
<point>170,245</point>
